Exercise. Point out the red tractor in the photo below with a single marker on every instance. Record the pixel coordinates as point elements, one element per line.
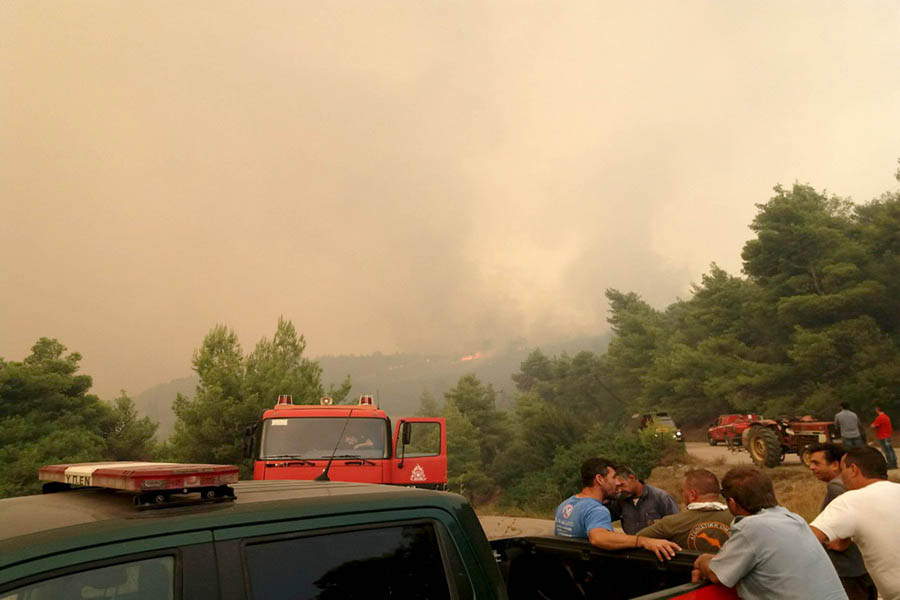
<point>768,440</point>
<point>728,429</point>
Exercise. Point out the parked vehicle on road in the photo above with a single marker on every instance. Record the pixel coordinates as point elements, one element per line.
<point>341,442</point>
<point>727,429</point>
<point>768,441</point>
<point>660,423</point>
<point>274,540</point>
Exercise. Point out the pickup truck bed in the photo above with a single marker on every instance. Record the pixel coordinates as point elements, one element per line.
<point>284,540</point>
<point>553,568</point>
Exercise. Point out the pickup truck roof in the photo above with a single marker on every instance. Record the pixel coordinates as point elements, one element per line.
<point>51,523</point>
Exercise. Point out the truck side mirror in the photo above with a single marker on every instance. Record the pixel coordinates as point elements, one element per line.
<point>407,433</point>
<point>249,438</point>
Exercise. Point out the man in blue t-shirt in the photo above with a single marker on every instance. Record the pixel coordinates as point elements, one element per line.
<point>584,515</point>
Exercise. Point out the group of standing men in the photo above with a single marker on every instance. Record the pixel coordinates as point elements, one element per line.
<point>749,541</point>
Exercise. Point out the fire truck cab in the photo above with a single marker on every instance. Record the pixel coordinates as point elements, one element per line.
<point>341,442</point>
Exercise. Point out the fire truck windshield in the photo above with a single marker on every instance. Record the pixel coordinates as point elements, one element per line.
<point>319,437</point>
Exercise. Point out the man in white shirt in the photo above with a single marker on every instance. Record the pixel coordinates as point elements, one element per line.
<point>867,513</point>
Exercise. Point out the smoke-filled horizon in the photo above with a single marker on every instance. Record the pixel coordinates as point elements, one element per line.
<point>418,176</point>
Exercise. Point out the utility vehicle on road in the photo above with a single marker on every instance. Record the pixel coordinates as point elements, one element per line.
<point>276,540</point>
<point>341,442</point>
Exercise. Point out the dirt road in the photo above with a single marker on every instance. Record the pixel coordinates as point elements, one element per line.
<point>708,453</point>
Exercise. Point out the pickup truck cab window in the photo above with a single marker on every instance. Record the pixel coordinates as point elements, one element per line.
<point>149,579</point>
<point>399,561</point>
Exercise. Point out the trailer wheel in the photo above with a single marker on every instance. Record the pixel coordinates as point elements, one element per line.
<point>764,447</point>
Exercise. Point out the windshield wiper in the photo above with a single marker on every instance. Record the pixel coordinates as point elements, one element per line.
<point>295,457</point>
<point>364,461</point>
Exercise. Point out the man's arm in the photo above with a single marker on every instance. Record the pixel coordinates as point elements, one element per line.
<point>840,544</point>
<point>613,540</point>
<point>702,571</point>
<point>836,524</point>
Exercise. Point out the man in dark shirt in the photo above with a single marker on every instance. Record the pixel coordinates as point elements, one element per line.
<point>825,464</point>
<point>639,504</point>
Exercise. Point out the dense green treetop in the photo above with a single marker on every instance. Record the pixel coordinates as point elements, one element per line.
<point>814,322</point>
<point>48,417</point>
<point>234,389</point>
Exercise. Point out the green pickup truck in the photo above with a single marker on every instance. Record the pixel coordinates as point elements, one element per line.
<point>304,539</point>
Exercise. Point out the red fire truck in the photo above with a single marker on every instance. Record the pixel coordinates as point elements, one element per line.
<point>342,442</point>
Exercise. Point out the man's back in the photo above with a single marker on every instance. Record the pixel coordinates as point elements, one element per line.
<point>869,515</point>
<point>575,517</point>
<point>848,423</point>
<point>773,554</point>
<point>704,530</point>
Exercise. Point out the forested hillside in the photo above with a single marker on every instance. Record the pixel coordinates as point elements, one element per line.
<point>398,380</point>
<point>813,321</point>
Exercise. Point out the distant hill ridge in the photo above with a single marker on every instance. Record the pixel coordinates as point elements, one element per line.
<point>397,380</point>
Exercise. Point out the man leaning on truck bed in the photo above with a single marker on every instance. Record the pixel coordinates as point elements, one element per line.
<point>583,515</point>
<point>705,525</point>
<point>771,554</point>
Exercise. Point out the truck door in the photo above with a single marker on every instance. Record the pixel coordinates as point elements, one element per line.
<point>420,453</point>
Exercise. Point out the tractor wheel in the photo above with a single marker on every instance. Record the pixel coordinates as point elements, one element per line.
<point>712,442</point>
<point>764,447</point>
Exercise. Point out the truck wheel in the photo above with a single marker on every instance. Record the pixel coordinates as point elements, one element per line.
<point>764,447</point>
<point>712,442</point>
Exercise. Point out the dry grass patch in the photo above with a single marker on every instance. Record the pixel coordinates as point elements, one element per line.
<point>795,487</point>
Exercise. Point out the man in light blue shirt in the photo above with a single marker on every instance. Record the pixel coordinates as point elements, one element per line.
<point>772,553</point>
<point>584,515</point>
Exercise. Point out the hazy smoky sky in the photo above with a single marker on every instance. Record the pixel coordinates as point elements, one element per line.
<point>406,176</point>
